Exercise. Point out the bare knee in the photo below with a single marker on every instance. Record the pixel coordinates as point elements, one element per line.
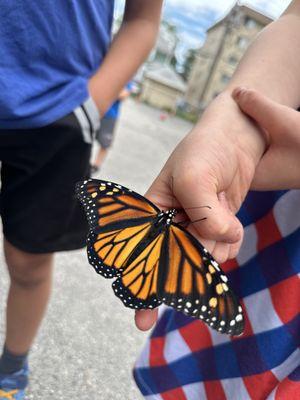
<point>27,270</point>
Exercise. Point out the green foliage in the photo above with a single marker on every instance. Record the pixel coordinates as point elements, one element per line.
<point>170,27</point>
<point>188,63</point>
<point>188,116</point>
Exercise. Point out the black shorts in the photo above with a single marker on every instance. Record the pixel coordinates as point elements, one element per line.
<point>105,134</point>
<point>39,170</point>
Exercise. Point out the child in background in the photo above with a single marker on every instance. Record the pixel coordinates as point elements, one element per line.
<point>225,156</point>
<point>105,133</point>
<point>58,74</point>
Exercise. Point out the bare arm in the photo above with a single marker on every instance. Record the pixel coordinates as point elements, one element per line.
<point>129,49</point>
<point>272,62</point>
<point>216,162</point>
<point>272,66</point>
<point>124,94</point>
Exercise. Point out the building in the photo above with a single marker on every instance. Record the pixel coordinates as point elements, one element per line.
<point>226,42</point>
<point>162,87</point>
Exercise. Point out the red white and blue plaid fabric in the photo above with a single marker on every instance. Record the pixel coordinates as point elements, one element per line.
<point>186,360</point>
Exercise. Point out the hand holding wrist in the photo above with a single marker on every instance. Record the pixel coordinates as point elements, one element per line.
<point>213,166</point>
<point>224,115</point>
<point>279,167</point>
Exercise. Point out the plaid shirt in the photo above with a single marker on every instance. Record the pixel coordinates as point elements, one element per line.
<point>186,360</point>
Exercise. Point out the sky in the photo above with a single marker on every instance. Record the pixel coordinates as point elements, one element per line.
<point>193,17</point>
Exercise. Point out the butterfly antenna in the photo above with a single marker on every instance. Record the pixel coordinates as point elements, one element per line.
<point>195,208</point>
<point>183,222</point>
<point>190,222</point>
<point>197,220</point>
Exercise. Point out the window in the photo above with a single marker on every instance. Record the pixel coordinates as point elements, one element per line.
<point>232,60</point>
<point>242,42</point>
<point>250,23</point>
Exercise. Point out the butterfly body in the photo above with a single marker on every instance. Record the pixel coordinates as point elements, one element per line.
<point>159,226</point>
<point>165,218</point>
<point>154,259</point>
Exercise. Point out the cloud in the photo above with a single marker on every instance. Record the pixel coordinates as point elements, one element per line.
<point>270,8</point>
<point>195,6</point>
<point>192,18</point>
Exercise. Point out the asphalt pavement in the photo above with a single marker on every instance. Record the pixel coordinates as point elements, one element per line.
<point>88,343</point>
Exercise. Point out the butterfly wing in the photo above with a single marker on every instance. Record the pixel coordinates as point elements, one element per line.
<point>138,283</point>
<point>119,220</point>
<point>108,251</point>
<point>192,282</point>
<point>169,266</point>
<point>109,205</point>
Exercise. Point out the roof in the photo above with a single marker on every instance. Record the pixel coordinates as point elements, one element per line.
<point>222,18</point>
<point>246,9</point>
<point>256,14</point>
<point>167,76</point>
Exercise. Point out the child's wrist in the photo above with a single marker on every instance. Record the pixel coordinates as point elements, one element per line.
<point>223,115</point>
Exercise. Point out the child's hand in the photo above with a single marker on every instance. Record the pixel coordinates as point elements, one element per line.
<point>279,167</point>
<point>213,166</point>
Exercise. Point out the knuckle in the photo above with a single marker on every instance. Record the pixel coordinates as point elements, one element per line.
<point>187,178</point>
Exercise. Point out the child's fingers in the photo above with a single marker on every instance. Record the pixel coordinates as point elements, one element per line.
<point>267,113</point>
<point>235,248</point>
<point>145,319</point>
<point>215,222</point>
<point>207,213</point>
<point>221,252</point>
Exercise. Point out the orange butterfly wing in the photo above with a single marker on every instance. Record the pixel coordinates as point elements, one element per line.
<point>108,251</point>
<point>168,266</point>
<point>138,283</point>
<point>109,205</point>
<point>119,220</point>
<point>191,281</point>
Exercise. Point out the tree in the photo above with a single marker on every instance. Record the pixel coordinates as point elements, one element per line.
<point>170,27</point>
<point>174,61</point>
<point>188,63</point>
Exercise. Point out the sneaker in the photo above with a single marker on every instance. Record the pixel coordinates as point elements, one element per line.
<point>12,386</point>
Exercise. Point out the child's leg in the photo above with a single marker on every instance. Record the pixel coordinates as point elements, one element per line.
<point>104,137</point>
<point>101,155</point>
<point>28,296</point>
<point>40,216</point>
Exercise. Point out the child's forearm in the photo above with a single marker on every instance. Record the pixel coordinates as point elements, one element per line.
<point>129,49</point>
<point>271,63</point>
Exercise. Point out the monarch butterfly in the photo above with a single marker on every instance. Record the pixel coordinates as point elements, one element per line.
<point>154,259</point>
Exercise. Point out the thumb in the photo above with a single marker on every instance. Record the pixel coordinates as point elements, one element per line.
<point>209,212</point>
<point>198,201</point>
<point>267,113</point>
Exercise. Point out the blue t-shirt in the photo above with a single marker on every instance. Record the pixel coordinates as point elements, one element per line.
<point>48,51</point>
<point>114,110</point>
